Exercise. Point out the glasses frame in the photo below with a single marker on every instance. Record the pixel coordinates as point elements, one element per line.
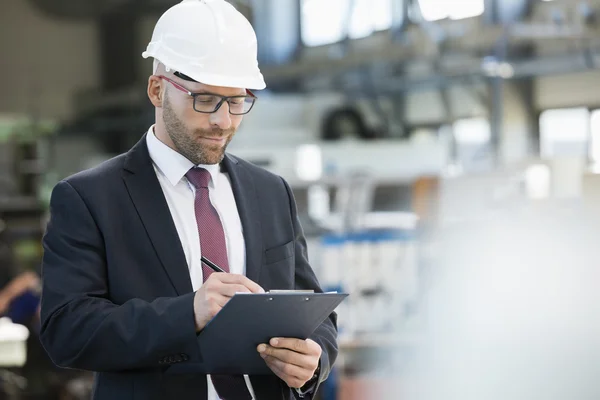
<point>224,99</point>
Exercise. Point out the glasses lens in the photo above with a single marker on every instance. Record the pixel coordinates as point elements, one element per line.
<point>206,103</point>
<point>240,105</point>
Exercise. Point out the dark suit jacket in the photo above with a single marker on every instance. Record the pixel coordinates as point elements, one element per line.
<point>117,296</point>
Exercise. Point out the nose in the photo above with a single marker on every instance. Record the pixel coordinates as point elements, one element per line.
<point>221,118</point>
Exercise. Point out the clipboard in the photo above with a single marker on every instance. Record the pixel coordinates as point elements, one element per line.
<point>228,342</point>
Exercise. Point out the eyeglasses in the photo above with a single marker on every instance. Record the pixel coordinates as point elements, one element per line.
<point>209,103</point>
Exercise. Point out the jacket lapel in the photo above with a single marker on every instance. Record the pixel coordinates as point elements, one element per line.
<point>149,200</point>
<point>246,199</point>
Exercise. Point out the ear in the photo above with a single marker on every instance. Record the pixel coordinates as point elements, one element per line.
<point>155,91</point>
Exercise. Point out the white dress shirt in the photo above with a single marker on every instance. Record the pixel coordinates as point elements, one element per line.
<point>170,168</point>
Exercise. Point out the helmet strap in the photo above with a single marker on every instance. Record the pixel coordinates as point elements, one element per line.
<point>184,77</point>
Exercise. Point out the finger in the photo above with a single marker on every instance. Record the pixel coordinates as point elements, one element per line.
<point>315,348</point>
<point>229,290</point>
<point>277,370</point>
<point>293,375</point>
<point>289,370</point>
<point>287,356</point>
<point>308,346</point>
<point>216,285</point>
<point>241,280</point>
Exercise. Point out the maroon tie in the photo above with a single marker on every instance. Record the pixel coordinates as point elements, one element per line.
<point>214,247</point>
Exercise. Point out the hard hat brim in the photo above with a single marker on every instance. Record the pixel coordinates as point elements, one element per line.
<point>255,82</point>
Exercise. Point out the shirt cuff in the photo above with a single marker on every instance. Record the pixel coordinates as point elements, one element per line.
<point>303,392</point>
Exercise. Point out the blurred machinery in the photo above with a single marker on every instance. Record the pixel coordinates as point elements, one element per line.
<point>451,62</point>
<point>26,372</point>
<point>22,175</point>
<point>78,9</point>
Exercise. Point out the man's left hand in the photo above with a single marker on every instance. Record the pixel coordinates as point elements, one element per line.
<point>293,360</point>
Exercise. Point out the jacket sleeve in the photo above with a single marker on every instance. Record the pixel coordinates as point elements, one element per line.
<point>326,334</point>
<point>81,328</point>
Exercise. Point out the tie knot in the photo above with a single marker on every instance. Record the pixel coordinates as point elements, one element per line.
<point>199,177</point>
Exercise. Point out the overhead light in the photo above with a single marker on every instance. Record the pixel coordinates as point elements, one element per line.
<point>433,10</point>
<point>493,68</point>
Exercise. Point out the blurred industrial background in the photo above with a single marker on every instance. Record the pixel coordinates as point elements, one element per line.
<point>399,124</point>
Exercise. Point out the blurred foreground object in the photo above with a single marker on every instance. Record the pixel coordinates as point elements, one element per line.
<point>13,338</point>
<point>513,312</point>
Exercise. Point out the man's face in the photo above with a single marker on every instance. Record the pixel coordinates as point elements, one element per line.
<point>201,138</point>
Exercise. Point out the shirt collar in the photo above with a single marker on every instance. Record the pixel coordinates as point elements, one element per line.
<point>171,163</point>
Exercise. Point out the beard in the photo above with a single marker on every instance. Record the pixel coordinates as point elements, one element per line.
<point>185,140</point>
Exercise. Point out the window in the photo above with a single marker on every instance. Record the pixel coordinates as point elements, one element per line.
<point>433,10</point>
<point>370,16</point>
<point>564,132</point>
<point>324,21</point>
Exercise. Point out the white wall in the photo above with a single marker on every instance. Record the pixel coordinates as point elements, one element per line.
<point>568,90</point>
<point>424,107</point>
<point>43,60</point>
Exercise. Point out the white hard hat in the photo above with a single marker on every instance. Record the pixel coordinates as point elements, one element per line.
<point>209,41</point>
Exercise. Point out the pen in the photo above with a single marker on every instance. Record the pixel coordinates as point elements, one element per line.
<point>211,264</point>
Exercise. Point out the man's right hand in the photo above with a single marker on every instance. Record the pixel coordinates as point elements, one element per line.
<point>216,292</point>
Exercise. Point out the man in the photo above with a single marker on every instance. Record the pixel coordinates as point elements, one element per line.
<point>125,293</point>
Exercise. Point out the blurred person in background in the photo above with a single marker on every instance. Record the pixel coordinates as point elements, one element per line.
<point>125,293</point>
<point>19,291</point>
<point>16,288</point>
